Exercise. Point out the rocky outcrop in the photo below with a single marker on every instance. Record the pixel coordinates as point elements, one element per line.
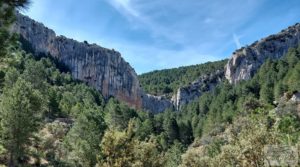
<point>296,98</point>
<point>185,94</point>
<point>101,68</point>
<point>156,104</point>
<point>246,61</point>
<point>191,92</point>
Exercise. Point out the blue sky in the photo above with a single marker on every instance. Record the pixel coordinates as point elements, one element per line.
<point>159,34</point>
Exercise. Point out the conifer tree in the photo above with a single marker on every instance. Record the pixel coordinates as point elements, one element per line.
<point>20,111</point>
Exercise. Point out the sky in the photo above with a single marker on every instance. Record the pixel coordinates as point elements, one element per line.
<point>159,34</point>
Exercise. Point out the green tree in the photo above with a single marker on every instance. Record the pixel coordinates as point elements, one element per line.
<point>116,149</point>
<point>171,129</point>
<point>84,138</point>
<point>294,78</point>
<point>144,129</point>
<point>146,154</point>
<point>173,155</point>
<point>185,132</point>
<point>118,114</point>
<point>7,9</point>
<point>21,109</point>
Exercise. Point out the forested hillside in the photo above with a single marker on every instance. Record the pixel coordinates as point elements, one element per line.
<point>49,119</point>
<point>162,82</point>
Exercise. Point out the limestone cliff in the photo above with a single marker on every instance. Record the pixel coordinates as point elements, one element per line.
<point>156,104</point>
<point>191,92</point>
<point>108,72</point>
<point>99,67</point>
<point>185,94</point>
<point>246,61</point>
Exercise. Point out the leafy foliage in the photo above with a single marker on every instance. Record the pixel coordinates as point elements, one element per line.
<point>168,81</point>
<point>20,109</point>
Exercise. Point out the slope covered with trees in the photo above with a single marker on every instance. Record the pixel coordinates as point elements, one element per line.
<point>49,119</point>
<point>163,82</point>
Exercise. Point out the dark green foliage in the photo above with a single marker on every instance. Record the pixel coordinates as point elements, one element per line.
<point>274,78</point>
<point>83,139</point>
<point>20,109</point>
<point>173,155</point>
<point>144,129</point>
<point>170,127</point>
<point>7,9</point>
<point>168,81</point>
<point>118,114</point>
<point>45,115</point>
<point>185,132</point>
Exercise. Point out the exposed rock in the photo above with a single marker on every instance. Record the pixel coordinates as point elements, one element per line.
<point>99,67</point>
<point>246,61</point>
<point>288,104</point>
<point>295,98</point>
<point>190,92</point>
<point>156,103</point>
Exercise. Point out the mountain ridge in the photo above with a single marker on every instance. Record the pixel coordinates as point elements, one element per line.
<point>99,67</point>
<point>246,61</point>
<point>109,73</point>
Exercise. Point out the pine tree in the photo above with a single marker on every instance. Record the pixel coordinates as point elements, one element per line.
<point>85,136</point>
<point>20,110</point>
<point>7,9</point>
<point>171,129</point>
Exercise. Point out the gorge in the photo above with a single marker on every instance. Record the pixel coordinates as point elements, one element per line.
<point>106,70</point>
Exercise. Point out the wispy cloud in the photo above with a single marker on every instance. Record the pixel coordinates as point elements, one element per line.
<point>155,34</point>
<point>125,7</point>
<point>141,56</point>
<point>237,41</point>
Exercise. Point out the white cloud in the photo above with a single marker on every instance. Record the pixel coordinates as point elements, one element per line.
<point>237,41</point>
<point>167,30</point>
<point>125,7</point>
<point>131,10</point>
<point>145,58</point>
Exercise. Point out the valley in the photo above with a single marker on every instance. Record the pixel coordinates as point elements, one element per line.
<point>67,103</point>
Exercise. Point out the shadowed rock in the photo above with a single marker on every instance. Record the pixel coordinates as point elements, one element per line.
<point>247,60</point>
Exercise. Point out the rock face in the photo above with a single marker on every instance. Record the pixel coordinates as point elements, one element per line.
<point>296,98</point>
<point>109,73</point>
<point>185,94</point>
<point>246,61</point>
<point>99,67</point>
<point>190,92</point>
<point>156,104</point>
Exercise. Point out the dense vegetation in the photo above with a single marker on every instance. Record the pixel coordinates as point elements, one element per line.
<point>166,82</point>
<point>49,119</point>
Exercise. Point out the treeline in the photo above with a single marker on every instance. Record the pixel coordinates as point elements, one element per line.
<point>48,119</point>
<point>166,82</point>
<point>274,79</point>
<point>234,123</point>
